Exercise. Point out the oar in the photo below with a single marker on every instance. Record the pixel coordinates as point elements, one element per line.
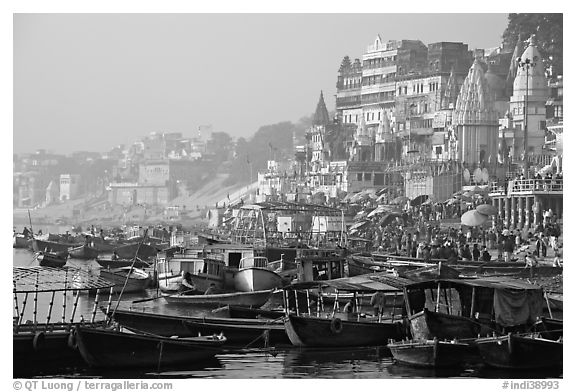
<point>153,298</point>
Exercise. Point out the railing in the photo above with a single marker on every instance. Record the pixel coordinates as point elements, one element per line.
<point>532,185</point>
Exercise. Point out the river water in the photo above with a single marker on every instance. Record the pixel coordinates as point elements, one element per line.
<point>252,363</point>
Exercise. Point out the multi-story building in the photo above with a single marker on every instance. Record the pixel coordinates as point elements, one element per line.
<point>69,186</point>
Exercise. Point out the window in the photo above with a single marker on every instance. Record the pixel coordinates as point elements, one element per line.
<point>542,125</point>
<point>359,176</point>
<point>378,178</point>
<point>367,176</point>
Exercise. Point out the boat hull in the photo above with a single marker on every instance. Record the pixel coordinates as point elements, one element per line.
<point>520,352</point>
<point>254,299</point>
<point>240,333</point>
<point>111,349</point>
<point>20,242</point>
<point>133,285</point>
<point>83,252</point>
<point>169,283</point>
<point>42,246</point>
<point>256,279</point>
<point>108,263</point>
<point>320,332</point>
<point>50,260</point>
<point>549,328</point>
<point>433,354</point>
<point>427,325</point>
<point>129,251</point>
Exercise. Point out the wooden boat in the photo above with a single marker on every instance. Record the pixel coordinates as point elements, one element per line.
<point>313,331</point>
<point>119,263</point>
<point>42,347</point>
<point>437,271</point>
<point>520,352</point>
<point>52,259</point>
<point>253,299</point>
<point>203,272</point>
<point>84,252</point>
<point>128,251</point>
<point>138,280</point>
<point>49,246</point>
<point>549,328</point>
<point>105,348</point>
<point>170,324</point>
<point>360,265</point>
<point>433,353</point>
<point>20,241</point>
<point>464,308</point>
<point>253,275</point>
<point>231,311</point>
<point>239,332</point>
<point>555,300</point>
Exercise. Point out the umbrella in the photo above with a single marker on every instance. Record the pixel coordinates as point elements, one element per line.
<point>388,218</point>
<point>382,191</point>
<point>473,218</point>
<point>377,211</point>
<point>487,209</point>
<point>358,225</point>
<point>400,200</point>
<point>360,215</point>
<point>452,201</point>
<point>418,200</point>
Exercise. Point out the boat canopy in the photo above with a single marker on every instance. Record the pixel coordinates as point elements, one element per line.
<point>360,283</point>
<point>47,279</point>
<point>507,300</point>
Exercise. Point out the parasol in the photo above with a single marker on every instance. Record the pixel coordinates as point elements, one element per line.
<point>400,200</point>
<point>487,209</point>
<point>419,200</point>
<point>358,225</point>
<point>388,218</point>
<point>473,218</point>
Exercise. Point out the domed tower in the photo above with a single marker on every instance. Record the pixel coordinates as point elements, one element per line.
<point>476,120</point>
<point>528,101</point>
<point>384,141</point>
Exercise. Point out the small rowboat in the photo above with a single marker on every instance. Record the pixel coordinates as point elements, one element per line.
<point>520,352</point>
<point>253,299</point>
<point>119,263</point>
<point>254,275</point>
<point>433,353</point>
<point>83,252</point>
<point>52,259</point>
<point>138,280</point>
<point>104,348</point>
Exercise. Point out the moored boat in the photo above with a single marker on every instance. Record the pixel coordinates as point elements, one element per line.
<point>49,246</point>
<point>84,252</point>
<point>240,332</point>
<point>119,263</point>
<point>142,251</point>
<point>253,275</point>
<point>433,353</point>
<point>252,299</point>
<point>105,348</point>
<point>20,241</point>
<point>549,328</point>
<point>311,331</point>
<point>52,259</point>
<point>464,308</point>
<point>520,352</point>
<point>138,280</point>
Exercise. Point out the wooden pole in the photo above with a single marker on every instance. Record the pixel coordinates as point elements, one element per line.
<point>394,306</point>
<point>438,298</point>
<point>308,301</point>
<point>64,298</point>
<point>23,308</point>
<point>36,300</point>
<point>16,308</point>
<point>548,304</point>
<point>50,309</point>
<point>93,317</point>
<point>109,304</point>
<point>356,303</point>
<point>335,304</point>
<point>296,302</point>
<point>74,307</point>
<point>472,303</point>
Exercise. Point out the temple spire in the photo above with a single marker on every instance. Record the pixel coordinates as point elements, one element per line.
<point>513,69</point>
<point>321,116</point>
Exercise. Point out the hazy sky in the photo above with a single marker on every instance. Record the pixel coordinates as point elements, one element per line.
<point>93,81</point>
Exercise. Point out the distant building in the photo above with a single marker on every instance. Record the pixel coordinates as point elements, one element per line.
<point>69,186</point>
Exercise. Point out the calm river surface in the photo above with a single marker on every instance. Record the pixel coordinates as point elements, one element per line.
<point>255,363</point>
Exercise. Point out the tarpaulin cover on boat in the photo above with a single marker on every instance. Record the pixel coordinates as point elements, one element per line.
<point>515,307</point>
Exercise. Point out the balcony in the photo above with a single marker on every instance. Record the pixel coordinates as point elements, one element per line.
<point>528,187</point>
